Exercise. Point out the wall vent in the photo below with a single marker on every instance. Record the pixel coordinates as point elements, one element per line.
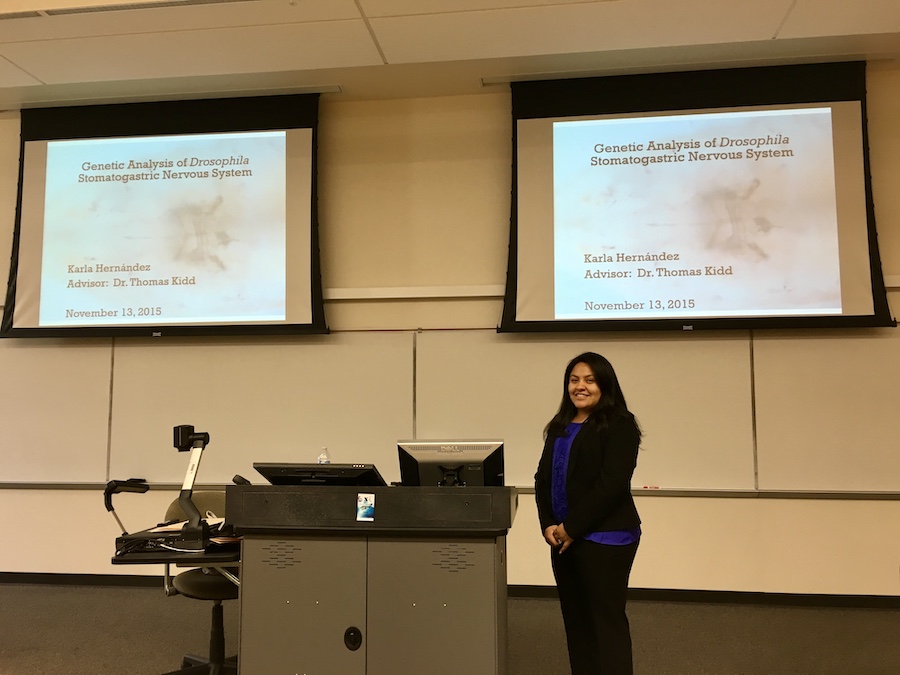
<point>20,15</point>
<point>125,6</point>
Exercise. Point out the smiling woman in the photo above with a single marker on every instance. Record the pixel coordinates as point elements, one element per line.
<point>587,514</point>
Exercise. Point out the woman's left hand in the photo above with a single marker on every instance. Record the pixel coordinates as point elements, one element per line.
<point>563,536</point>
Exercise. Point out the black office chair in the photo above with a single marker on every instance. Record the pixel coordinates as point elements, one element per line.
<point>205,583</point>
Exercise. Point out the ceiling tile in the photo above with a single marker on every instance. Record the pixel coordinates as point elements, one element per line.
<point>812,18</point>
<point>195,17</point>
<point>594,27</point>
<point>336,44</point>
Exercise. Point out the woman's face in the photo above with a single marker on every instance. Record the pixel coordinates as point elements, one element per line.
<point>583,389</point>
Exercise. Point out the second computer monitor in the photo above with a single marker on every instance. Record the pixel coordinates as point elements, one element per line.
<point>449,463</point>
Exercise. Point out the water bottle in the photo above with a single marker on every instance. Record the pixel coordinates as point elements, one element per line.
<point>324,457</point>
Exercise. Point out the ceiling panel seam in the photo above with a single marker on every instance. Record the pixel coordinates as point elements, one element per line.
<point>784,19</point>
<point>371,31</point>
<point>498,8</point>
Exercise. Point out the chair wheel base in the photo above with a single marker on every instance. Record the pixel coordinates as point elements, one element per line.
<point>197,665</point>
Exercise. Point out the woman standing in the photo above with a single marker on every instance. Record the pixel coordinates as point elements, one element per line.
<point>587,514</point>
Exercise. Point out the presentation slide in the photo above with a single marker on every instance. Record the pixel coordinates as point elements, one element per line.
<point>163,230</point>
<point>168,218</point>
<point>720,214</point>
<point>752,213</point>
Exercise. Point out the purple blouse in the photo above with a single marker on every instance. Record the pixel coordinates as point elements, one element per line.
<point>561,447</point>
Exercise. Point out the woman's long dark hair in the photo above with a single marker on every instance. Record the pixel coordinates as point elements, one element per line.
<point>612,400</point>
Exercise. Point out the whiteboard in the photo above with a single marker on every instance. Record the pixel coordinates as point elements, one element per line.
<point>827,410</point>
<point>691,395</point>
<point>54,410</point>
<point>261,401</point>
<point>822,418</point>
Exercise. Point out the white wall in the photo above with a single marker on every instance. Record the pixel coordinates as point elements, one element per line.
<point>415,194</point>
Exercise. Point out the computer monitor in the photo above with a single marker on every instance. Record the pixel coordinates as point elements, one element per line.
<point>283,473</point>
<point>451,463</point>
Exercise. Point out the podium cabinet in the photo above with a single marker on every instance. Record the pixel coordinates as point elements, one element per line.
<point>418,588</point>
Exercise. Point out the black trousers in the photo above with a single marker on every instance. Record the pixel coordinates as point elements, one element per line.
<point>592,580</point>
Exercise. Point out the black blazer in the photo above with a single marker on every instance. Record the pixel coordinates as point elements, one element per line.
<point>598,478</point>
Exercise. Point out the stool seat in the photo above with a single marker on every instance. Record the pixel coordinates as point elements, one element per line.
<point>206,584</point>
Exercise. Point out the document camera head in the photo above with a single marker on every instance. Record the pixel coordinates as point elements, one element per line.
<point>186,438</point>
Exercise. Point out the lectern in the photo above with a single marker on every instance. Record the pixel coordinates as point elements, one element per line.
<point>415,585</point>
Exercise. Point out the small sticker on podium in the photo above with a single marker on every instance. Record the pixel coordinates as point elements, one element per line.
<point>365,506</point>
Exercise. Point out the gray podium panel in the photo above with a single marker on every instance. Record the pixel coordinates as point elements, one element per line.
<point>436,606</point>
<point>299,597</point>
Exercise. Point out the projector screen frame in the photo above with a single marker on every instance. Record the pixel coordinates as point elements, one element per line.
<point>678,93</point>
<point>179,118</point>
